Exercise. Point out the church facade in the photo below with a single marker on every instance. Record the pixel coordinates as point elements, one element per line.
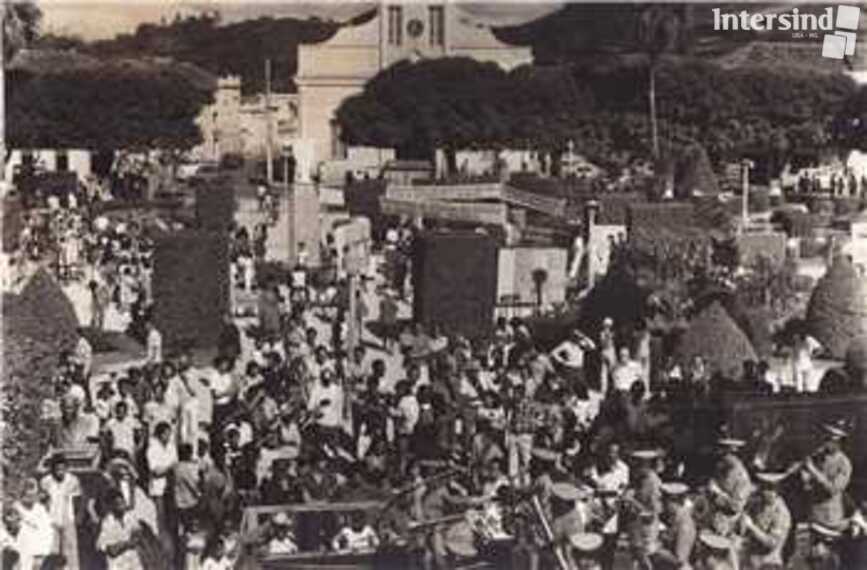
<point>331,71</point>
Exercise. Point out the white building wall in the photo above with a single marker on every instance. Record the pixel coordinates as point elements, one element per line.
<point>331,71</point>
<point>79,161</point>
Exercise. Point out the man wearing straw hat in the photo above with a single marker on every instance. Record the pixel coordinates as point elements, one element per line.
<point>826,475</point>
<point>766,524</point>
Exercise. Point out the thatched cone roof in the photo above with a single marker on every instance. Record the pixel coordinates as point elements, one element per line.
<point>715,337</point>
<point>856,360</point>
<point>837,312</point>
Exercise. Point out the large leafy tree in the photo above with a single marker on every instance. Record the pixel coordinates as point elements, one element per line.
<point>21,23</point>
<point>660,31</point>
<point>448,103</point>
<point>108,106</point>
<point>236,48</point>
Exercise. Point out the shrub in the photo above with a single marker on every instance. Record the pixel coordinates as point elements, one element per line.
<point>42,312</point>
<point>614,208</point>
<point>693,173</point>
<point>215,206</point>
<point>820,205</point>
<point>759,199</point>
<point>847,206</point>
<point>674,215</point>
<point>712,214</point>
<point>362,199</point>
<point>771,246</point>
<point>271,272</point>
<point>715,337</point>
<point>618,296</point>
<point>191,287</point>
<point>795,224</point>
<point>813,247</point>
<point>856,360</point>
<point>13,223</point>
<point>837,312</point>
<point>38,324</point>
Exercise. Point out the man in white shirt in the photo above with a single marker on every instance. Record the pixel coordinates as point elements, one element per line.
<point>37,528</point>
<point>326,399</point>
<point>154,344</point>
<point>224,389</point>
<point>356,537</point>
<point>162,458</point>
<point>405,416</point>
<point>283,541</point>
<point>610,477</point>
<point>803,372</point>
<point>63,489</point>
<point>84,354</point>
<point>569,354</point>
<point>627,372</point>
<point>121,429</point>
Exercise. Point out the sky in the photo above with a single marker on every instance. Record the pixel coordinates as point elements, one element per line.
<point>100,19</point>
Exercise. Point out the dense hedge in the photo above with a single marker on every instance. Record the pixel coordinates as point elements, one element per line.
<point>820,205</point>
<point>795,224</point>
<point>215,205</point>
<point>837,312</point>
<point>169,204</point>
<point>13,223</point>
<point>759,199</point>
<point>571,188</point>
<point>614,208</point>
<point>856,360</point>
<point>714,336</point>
<point>848,206</point>
<point>41,311</point>
<point>362,199</point>
<point>771,246</point>
<point>693,173</point>
<point>618,296</point>
<point>191,287</point>
<point>673,215</point>
<point>38,324</point>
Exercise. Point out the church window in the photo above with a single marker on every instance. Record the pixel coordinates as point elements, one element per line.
<point>395,25</point>
<point>437,25</point>
<point>338,147</point>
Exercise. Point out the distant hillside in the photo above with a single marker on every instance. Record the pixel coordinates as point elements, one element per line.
<point>42,62</point>
<point>586,33</point>
<point>592,33</point>
<point>236,49</point>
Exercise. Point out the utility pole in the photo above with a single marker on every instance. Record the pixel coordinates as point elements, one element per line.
<point>746,165</point>
<point>352,261</point>
<point>3,97</point>
<point>269,140</point>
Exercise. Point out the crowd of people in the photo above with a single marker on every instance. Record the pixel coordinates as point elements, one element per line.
<point>576,456</point>
<point>301,419</point>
